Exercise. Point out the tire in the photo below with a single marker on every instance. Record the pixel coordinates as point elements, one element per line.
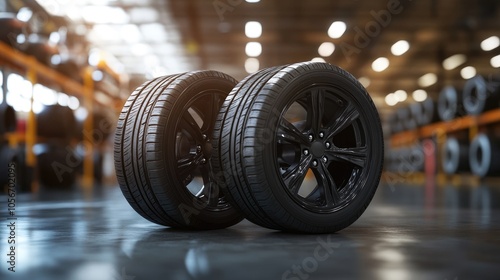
<point>478,96</point>
<point>455,156</point>
<point>450,104</point>
<point>56,121</point>
<point>8,119</point>
<point>411,119</point>
<point>483,154</point>
<point>162,154</point>
<point>23,173</point>
<point>55,167</point>
<point>257,146</point>
<point>429,112</point>
<point>403,116</point>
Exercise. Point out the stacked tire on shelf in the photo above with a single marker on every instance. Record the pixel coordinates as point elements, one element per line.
<point>295,148</point>
<point>458,155</point>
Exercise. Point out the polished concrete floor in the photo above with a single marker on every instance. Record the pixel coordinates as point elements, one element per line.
<point>408,232</point>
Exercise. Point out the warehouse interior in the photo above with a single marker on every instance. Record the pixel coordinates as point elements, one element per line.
<point>67,68</point>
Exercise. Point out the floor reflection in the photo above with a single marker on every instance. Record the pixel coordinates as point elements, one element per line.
<point>71,236</point>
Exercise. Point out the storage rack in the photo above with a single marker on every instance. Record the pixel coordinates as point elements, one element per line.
<point>36,72</point>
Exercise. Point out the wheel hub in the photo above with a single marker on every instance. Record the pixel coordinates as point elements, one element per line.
<point>318,149</point>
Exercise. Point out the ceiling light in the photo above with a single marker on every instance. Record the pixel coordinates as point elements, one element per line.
<point>400,47</point>
<point>337,29</point>
<point>143,14</point>
<point>495,61</point>
<point>419,95</point>
<point>391,99</point>
<point>380,64</point>
<point>427,80</point>
<point>154,32</point>
<point>253,49</point>
<point>454,61</point>
<point>24,14</point>
<point>364,81</point>
<point>318,59</point>
<point>104,14</point>
<point>252,1</point>
<point>140,49</point>
<point>253,29</point>
<point>490,43</point>
<point>252,65</point>
<point>326,49</point>
<point>130,33</point>
<point>401,95</point>
<point>468,72</point>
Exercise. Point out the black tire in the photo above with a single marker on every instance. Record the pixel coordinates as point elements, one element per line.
<point>23,173</point>
<point>8,119</point>
<point>256,144</point>
<point>411,119</point>
<point>455,156</point>
<point>56,121</point>
<point>450,104</point>
<point>158,131</point>
<point>479,96</point>
<point>56,165</point>
<point>484,153</point>
<point>403,116</point>
<point>429,112</point>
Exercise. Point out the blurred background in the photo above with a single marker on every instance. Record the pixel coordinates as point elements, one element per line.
<point>431,67</point>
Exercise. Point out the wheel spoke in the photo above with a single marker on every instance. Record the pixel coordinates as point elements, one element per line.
<point>187,164</point>
<point>328,185</point>
<point>294,176</point>
<point>191,127</point>
<point>211,110</point>
<point>315,116</point>
<point>346,118</point>
<point>356,156</point>
<point>289,133</point>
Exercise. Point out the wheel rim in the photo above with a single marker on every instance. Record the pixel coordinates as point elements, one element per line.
<point>193,149</point>
<point>323,150</point>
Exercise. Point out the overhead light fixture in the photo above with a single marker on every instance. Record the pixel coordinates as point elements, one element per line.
<point>253,49</point>
<point>104,14</point>
<point>130,33</point>
<point>326,49</point>
<point>454,61</point>
<point>419,95</point>
<point>252,1</point>
<point>337,29</point>
<point>495,61</point>
<point>318,59</point>
<point>24,14</point>
<point>253,29</point>
<point>140,49</point>
<point>380,64</point>
<point>468,72</point>
<point>427,80</point>
<point>364,81</point>
<point>401,95</point>
<point>252,65</point>
<point>490,43</point>
<point>391,99</point>
<point>400,47</point>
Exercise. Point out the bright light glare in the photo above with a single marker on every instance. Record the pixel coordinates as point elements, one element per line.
<point>63,99</point>
<point>326,49</point>
<point>490,43</point>
<point>253,29</point>
<point>73,103</point>
<point>401,95</point>
<point>419,95</point>
<point>364,81</point>
<point>495,61</point>
<point>253,49</point>
<point>400,47</point>
<point>380,64</point>
<point>252,1</point>
<point>454,61</point>
<point>427,80</point>
<point>391,99</point>
<point>252,65</point>
<point>468,72</point>
<point>104,14</point>
<point>318,59</point>
<point>337,29</point>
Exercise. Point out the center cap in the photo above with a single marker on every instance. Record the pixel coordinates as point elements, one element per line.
<point>318,149</point>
